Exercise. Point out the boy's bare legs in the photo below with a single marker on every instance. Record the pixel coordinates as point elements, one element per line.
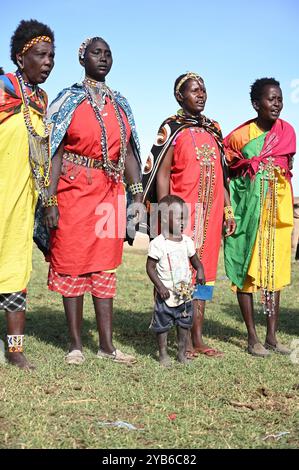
<point>164,359</point>
<point>182,334</point>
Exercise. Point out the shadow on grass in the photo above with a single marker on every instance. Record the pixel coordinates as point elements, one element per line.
<point>288,318</point>
<point>49,325</point>
<point>132,329</point>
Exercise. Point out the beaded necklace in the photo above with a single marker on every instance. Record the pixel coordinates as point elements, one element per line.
<point>206,157</point>
<point>39,145</point>
<point>96,93</point>
<point>266,233</point>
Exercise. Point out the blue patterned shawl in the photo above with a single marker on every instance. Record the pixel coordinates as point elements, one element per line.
<point>63,107</point>
<point>60,113</point>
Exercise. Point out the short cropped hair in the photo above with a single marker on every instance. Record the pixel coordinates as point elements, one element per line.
<point>257,88</point>
<point>26,31</point>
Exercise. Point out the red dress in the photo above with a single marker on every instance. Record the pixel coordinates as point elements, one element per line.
<point>197,177</point>
<point>92,212</point>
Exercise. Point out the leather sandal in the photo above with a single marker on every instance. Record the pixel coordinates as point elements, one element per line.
<point>191,355</point>
<point>117,356</point>
<point>258,350</point>
<point>75,357</point>
<point>278,348</point>
<point>210,352</point>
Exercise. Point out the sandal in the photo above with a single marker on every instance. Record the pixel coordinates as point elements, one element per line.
<point>191,355</point>
<point>258,350</point>
<point>278,348</point>
<point>117,356</point>
<point>75,357</point>
<point>210,352</point>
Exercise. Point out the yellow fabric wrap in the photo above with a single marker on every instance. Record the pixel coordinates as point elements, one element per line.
<point>17,203</point>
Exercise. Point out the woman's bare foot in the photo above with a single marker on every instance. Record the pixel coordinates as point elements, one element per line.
<point>19,360</point>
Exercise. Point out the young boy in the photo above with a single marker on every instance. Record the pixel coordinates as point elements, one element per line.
<point>168,268</point>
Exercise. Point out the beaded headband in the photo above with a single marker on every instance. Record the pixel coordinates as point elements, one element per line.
<point>35,41</point>
<point>83,47</point>
<point>85,44</point>
<point>186,77</point>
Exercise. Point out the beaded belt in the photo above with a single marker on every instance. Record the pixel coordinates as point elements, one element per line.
<point>83,161</point>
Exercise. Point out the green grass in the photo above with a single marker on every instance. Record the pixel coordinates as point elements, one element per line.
<point>232,402</point>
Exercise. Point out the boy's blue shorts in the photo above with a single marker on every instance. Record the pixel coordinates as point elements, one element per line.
<point>165,317</point>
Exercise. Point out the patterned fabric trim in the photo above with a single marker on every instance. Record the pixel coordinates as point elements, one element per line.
<point>83,161</point>
<point>14,302</point>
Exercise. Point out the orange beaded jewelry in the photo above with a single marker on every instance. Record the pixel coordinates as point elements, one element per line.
<point>52,201</point>
<point>15,343</point>
<point>228,213</point>
<point>35,41</point>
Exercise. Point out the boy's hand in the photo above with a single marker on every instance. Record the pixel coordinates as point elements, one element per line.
<point>200,275</point>
<point>163,292</point>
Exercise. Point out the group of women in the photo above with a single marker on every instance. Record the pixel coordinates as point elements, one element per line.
<point>83,168</point>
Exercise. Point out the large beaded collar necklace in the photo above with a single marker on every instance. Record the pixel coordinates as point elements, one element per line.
<point>39,145</point>
<point>96,93</point>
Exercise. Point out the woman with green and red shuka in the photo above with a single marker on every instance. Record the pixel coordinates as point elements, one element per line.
<point>187,160</point>
<point>258,255</point>
<point>95,148</point>
<point>24,170</point>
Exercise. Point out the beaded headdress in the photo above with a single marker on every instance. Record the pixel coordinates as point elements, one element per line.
<point>33,41</point>
<point>186,77</point>
<point>85,44</point>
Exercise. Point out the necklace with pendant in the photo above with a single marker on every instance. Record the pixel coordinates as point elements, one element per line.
<point>206,156</point>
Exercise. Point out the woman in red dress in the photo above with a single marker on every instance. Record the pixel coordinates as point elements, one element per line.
<point>187,160</point>
<point>95,150</point>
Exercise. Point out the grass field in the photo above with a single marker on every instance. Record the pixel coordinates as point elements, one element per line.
<point>235,402</point>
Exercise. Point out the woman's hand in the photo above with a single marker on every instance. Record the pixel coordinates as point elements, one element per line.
<point>200,276</point>
<point>51,217</point>
<point>230,227</point>
<point>139,208</point>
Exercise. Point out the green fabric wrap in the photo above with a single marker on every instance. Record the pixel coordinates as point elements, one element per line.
<point>245,199</point>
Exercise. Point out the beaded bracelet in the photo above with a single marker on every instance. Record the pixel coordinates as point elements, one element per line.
<point>52,201</point>
<point>15,343</point>
<point>136,188</point>
<point>228,213</point>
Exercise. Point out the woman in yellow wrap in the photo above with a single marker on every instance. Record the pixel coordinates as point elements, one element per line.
<point>24,170</point>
